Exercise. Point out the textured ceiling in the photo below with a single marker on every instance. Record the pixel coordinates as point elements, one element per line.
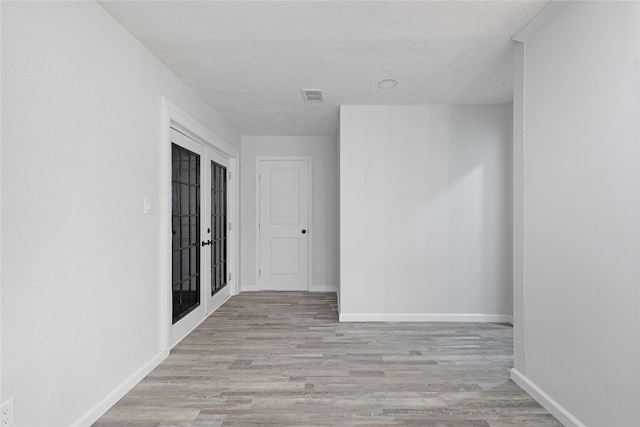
<point>249,60</point>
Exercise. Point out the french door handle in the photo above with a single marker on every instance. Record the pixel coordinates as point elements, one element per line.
<point>208,242</point>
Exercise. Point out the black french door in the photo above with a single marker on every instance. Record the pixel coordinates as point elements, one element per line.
<point>219,227</point>
<point>185,222</point>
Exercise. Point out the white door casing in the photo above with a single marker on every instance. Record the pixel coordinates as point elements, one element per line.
<point>175,118</point>
<point>284,198</point>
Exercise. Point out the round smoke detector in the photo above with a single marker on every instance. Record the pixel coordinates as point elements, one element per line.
<point>387,84</point>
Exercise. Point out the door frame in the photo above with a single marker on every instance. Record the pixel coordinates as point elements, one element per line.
<point>173,116</point>
<point>309,161</point>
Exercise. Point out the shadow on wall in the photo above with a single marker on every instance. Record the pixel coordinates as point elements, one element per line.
<point>448,205</point>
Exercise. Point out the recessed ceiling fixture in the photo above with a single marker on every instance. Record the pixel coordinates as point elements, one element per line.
<point>387,84</point>
<point>312,94</point>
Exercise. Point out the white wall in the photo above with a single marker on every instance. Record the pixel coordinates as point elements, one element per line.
<point>581,213</point>
<point>323,151</point>
<point>80,261</point>
<point>425,212</point>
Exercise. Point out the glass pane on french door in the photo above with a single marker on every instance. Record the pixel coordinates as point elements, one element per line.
<point>219,227</point>
<point>185,221</point>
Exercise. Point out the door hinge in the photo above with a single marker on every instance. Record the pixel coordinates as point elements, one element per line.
<point>229,176</point>
<point>229,276</point>
<point>259,178</point>
<point>229,226</point>
<point>259,272</point>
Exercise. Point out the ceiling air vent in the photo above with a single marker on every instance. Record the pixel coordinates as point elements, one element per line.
<point>312,94</point>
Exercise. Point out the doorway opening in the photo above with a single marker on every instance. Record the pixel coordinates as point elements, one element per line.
<point>199,239</point>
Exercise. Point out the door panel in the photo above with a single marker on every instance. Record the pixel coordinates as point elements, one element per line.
<point>219,290</point>
<point>283,225</point>
<point>284,190</point>
<point>186,232</point>
<point>187,159</point>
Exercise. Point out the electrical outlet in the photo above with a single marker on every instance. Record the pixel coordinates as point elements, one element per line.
<point>6,414</point>
<point>316,268</point>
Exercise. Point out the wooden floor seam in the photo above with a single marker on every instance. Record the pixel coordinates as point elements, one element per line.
<point>283,359</point>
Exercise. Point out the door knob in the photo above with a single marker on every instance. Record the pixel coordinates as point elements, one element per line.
<point>208,242</point>
<point>304,231</point>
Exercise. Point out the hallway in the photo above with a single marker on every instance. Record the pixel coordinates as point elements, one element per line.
<point>282,358</point>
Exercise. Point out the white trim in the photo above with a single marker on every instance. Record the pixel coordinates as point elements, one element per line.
<point>248,288</point>
<point>173,116</point>
<point>234,196</point>
<point>185,122</point>
<point>310,226</point>
<point>165,220</point>
<point>424,317</point>
<point>93,414</point>
<point>320,288</point>
<point>547,402</point>
<point>638,198</point>
<point>1,209</point>
<point>309,161</point>
<point>517,205</point>
<point>256,285</point>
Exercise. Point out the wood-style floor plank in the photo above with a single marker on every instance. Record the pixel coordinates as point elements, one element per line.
<point>282,359</point>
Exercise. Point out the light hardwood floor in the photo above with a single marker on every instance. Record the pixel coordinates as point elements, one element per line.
<point>282,359</point>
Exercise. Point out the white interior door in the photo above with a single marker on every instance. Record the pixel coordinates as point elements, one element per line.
<point>217,239</point>
<point>283,224</point>
<point>201,247</point>
<point>187,223</point>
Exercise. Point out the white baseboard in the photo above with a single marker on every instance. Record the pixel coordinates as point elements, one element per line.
<point>247,288</point>
<point>547,402</point>
<point>118,393</point>
<point>254,288</point>
<point>323,289</point>
<point>424,317</point>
